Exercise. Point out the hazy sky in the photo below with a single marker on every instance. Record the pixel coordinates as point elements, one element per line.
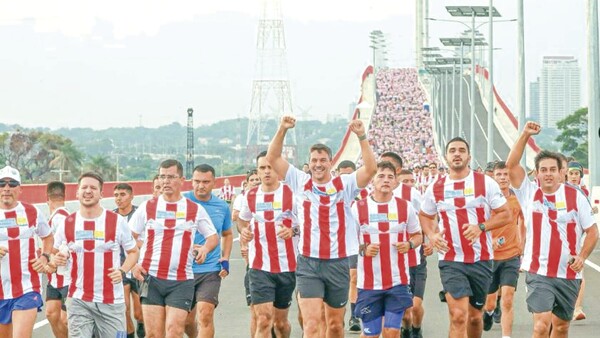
<point>114,63</point>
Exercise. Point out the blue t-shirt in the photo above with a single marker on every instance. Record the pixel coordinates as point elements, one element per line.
<point>219,213</point>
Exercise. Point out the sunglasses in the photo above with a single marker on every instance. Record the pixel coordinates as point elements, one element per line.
<point>11,183</point>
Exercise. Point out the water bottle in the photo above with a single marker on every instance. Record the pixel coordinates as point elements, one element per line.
<point>64,250</point>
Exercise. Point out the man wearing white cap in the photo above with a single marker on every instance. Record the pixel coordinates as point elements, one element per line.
<point>20,278</point>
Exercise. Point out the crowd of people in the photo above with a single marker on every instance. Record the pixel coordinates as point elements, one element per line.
<point>400,121</point>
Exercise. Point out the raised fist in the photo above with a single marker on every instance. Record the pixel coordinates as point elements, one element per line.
<point>532,128</point>
<point>288,122</point>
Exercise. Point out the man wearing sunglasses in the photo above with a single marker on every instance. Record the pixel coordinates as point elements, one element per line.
<point>20,278</point>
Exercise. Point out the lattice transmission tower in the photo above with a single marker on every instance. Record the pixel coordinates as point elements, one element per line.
<point>271,95</point>
<point>189,158</point>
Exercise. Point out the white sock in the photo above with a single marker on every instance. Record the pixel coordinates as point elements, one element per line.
<point>490,312</point>
<point>505,336</point>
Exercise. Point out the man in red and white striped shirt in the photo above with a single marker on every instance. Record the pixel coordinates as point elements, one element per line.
<point>168,224</point>
<point>557,215</point>
<point>462,202</point>
<point>323,206</point>
<point>227,192</point>
<point>268,220</point>
<point>388,229</point>
<point>58,284</point>
<point>20,278</point>
<point>94,237</point>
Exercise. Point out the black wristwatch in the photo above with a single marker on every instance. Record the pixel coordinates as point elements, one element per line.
<point>410,243</point>
<point>481,227</point>
<point>296,231</point>
<point>361,251</point>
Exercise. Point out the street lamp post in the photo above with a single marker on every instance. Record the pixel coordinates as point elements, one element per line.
<point>593,92</point>
<point>521,73</point>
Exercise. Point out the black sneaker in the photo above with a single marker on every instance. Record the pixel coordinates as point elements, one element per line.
<point>488,321</point>
<point>417,333</point>
<point>354,324</point>
<point>405,333</point>
<point>141,331</point>
<point>497,314</point>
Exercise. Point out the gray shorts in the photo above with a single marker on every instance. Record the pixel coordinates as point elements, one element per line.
<point>418,279</point>
<point>162,292</point>
<point>87,318</point>
<point>206,287</point>
<point>328,279</point>
<point>467,280</point>
<point>276,288</point>
<point>353,262</point>
<point>505,272</point>
<point>546,294</point>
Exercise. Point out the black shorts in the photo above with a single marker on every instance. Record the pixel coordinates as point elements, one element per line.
<point>467,280</point>
<point>133,283</point>
<point>162,292</point>
<point>505,272</point>
<point>328,279</point>
<point>552,294</point>
<point>353,261</point>
<point>53,293</point>
<point>206,287</point>
<point>418,277</point>
<point>276,288</point>
<point>247,287</point>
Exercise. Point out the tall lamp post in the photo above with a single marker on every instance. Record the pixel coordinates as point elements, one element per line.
<point>593,92</point>
<point>473,12</point>
<point>454,61</point>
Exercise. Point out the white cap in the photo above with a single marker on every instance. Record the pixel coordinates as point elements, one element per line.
<point>10,172</point>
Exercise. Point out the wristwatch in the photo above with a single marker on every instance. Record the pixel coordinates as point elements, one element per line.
<point>296,231</point>
<point>410,243</point>
<point>481,226</point>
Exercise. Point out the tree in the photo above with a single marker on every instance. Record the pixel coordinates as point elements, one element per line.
<point>574,135</point>
<point>102,165</point>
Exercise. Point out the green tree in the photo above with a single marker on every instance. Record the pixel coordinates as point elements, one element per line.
<point>574,135</point>
<point>103,166</point>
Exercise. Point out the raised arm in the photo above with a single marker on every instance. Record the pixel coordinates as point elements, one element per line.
<point>366,172</point>
<point>278,163</point>
<point>516,173</point>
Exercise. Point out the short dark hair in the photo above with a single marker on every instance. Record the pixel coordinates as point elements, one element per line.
<point>405,172</point>
<point>123,186</point>
<point>172,163</point>
<point>347,164</point>
<point>155,178</point>
<point>499,165</point>
<point>386,165</point>
<point>434,164</point>
<point>93,175</point>
<point>55,190</point>
<point>458,139</point>
<point>250,172</point>
<point>395,156</point>
<point>205,168</point>
<point>563,158</point>
<point>319,147</point>
<point>546,154</point>
<point>261,154</point>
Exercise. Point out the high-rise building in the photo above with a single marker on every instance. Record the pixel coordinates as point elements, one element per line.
<point>560,89</point>
<point>534,100</point>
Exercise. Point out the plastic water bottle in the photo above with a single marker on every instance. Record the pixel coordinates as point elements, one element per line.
<point>64,250</point>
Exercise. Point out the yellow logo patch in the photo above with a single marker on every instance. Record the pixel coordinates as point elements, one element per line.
<point>98,234</point>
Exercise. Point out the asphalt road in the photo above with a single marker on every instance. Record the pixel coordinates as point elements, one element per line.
<point>232,315</point>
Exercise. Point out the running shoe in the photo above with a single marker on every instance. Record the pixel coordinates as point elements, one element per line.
<point>354,324</point>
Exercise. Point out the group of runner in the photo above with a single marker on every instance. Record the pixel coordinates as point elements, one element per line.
<point>326,236</point>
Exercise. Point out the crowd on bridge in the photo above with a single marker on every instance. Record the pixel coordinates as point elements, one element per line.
<point>328,237</point>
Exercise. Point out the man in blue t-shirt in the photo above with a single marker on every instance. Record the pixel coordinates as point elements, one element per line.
<point>208,275</point>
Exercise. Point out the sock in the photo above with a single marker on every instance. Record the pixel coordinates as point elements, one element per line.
<point>505,336</point>
<point>416,329</point>
<point>490,312</point>
<point>130,335</point>
<point>352,308</point>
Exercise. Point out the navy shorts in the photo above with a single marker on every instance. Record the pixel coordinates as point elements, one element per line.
<point>373,304</point>
<point>28,301</point>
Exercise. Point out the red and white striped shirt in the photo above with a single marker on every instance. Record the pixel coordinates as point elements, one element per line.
<point>169,229</point>
<point>412,195</point>
<point>227,192</point>
<point>555,226</point>
<point>325,232</point>
<point>57,220</point>
<point>386,224</point>
<point>95,245</point>
<point>466,201</point>
<point>18,227</point>
<point>267,212</point>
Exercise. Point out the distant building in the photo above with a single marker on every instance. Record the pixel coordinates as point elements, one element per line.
<point>534,100</point>
<point>559,89</point>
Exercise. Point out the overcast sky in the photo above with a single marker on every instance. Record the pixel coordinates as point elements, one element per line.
<point>99,64</point>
